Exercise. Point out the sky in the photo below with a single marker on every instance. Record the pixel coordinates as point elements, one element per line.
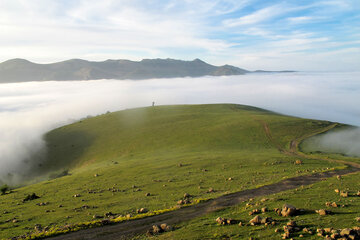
<point>306,35</point>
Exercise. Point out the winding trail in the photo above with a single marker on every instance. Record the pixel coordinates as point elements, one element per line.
<point>132,228</point>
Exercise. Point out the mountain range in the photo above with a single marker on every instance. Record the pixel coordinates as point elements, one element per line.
<point>21,70</point>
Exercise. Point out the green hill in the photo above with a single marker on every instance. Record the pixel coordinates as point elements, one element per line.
<point>115,160</point>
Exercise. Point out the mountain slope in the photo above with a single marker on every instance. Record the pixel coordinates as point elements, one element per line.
<point>115,159</point>
<point>20,70</point>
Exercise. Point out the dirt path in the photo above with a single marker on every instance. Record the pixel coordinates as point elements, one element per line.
<point>129,229</point>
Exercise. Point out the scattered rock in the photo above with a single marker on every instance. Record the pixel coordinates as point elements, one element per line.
<point>38,227</point>
<point>184,201</point>
<point>337,190</point>
<point>230,179</point>
<point>358,194</point>
<point>331,204</point>
<point>96,216</point>
<point>147,194</point>
<point>298,162</point>
<point>256,220</point>
<point>142,210</point>
<point>156,229</point>
<point>165,227</point>
<point>77,195</point>
<point>288,210</point>
<point>180,165</point>
<point>211,190</point>
<point>186,195</point>
<point>357,219</point>
<point>338,177</point>
<point>322,212</point>
<point>96,175</point>
<point>264,209</point>
<point>254,211</point>
<point>344,194</point>
<point>109,214</point>
<point>224,221</point>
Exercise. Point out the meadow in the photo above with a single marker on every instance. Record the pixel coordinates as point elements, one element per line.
<point>150,157</point>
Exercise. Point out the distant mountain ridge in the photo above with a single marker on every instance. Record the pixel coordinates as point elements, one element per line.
<point>21,70</point>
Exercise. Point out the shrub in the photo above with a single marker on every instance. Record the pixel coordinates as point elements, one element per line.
<point>4,189</point>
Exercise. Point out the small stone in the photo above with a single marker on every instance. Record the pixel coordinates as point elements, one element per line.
<point>186,195</point>
<point>322,212</point>
<point>147,194</point>
<point>264,209</point>
<point>337,190</point>
<point>344,194</point>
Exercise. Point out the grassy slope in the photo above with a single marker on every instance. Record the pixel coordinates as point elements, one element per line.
<point>148,144</point>
<point>310,198</point>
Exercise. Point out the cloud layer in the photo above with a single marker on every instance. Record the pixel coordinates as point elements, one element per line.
<point>28,110</point>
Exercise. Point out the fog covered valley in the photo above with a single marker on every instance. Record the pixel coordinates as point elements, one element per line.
<point>29,110</point>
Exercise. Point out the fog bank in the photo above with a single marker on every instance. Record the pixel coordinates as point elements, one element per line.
<point>28,110</point>
<point>345,141</point>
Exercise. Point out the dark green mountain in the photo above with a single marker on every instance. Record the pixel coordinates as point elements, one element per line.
<point>20,70</point>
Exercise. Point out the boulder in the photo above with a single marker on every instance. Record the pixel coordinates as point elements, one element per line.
<point>322,212</point>
<point>256,220</point>
<point>288,210</point>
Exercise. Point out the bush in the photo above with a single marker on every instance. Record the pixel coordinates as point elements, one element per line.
<point>4,189</point>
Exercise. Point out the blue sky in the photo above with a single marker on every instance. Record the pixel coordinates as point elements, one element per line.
<point>277,35</point>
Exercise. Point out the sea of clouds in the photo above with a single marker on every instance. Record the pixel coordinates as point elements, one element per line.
<point>29,110</point>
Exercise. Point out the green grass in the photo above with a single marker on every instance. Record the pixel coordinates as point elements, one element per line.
<point>310,198</point>
<point>144,147</point>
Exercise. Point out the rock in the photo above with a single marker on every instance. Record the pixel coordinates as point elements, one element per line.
<point>128,216</point>
<point>338,177</point>
<point>328,230</point>
<point>142,210</point>
<point>333,204</point>
<point>77,195</point>
<point>165,227</point>
<point>252,212</point>
<point>230,179</point>
<point>180,165</point>
<point>240,224</point>
<point>288,210</point>
<point>291,224</point>
<point>322,212</point>
<point>219,220</point>
<point>96,175</point>
<point>301,236</point>
<point>96,216</point>
<point>256,220</point>
<point>344,194</point>
<point>277,230</point>
<point>38,227</point>
<point>346,232</point>
<point>156,229</point>
<point>264,209</point>
<point>109,214</point>
<point>357,219</point>
<point>147,194</point>
<point>337,190</point>
<point>230,221</point>
<point>211,190</point>
<point>264,200</point>
<point>358,194</point>
<point>186,195</point>
<point>298,162</point>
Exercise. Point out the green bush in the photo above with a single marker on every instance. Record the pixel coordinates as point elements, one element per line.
<point>4,189</point>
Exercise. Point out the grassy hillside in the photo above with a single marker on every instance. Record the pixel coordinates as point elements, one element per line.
<point>116,158</point>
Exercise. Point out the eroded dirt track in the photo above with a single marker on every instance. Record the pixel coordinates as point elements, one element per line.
<point>129,229</point>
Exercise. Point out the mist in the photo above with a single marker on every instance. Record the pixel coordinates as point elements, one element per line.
<point>29,110</point>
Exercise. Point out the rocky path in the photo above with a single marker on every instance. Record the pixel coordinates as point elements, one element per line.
<point>129,229</point>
